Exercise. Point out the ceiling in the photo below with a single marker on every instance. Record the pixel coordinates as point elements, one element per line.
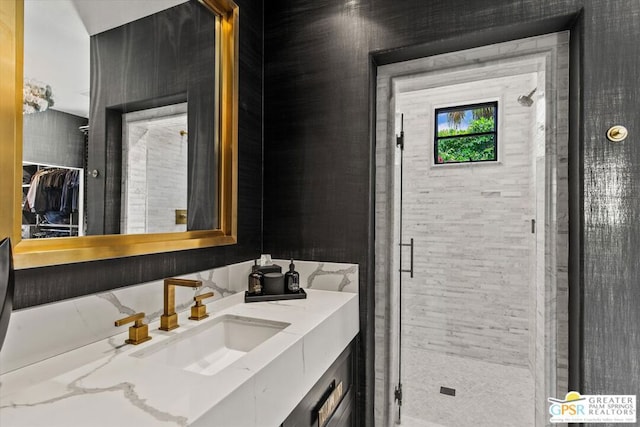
<point>56,42</point>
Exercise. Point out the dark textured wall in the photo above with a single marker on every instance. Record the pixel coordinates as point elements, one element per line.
<point>162,59</point>
<point>318,148</point>
<point>53,138</point>
<point>48,284</point>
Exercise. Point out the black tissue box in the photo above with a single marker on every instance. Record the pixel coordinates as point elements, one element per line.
<point>264,269</point>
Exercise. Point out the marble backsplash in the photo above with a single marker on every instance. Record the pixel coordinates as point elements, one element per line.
<point>41,332</point>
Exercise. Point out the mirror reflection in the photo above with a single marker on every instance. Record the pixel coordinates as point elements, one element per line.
<point>120,129</point>
<point>154,179</point>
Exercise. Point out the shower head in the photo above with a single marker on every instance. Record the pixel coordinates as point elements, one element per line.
<point>526,99</point>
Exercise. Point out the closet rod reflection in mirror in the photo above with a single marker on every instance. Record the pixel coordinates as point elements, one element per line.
<point>222,226</point>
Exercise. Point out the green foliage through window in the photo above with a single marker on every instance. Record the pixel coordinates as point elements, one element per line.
<point>466,133</point>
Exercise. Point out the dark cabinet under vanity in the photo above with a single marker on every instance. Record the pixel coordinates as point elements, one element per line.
<point>333,395</point>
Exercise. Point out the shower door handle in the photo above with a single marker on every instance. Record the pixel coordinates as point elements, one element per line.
<point>410,270</point>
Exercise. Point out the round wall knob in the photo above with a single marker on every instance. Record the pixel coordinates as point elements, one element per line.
<point>617,133</point>
<point>95,173</point>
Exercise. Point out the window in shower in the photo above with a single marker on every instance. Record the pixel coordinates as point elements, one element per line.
<point>466,133</point>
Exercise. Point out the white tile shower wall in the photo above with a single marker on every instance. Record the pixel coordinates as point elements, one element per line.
<point>166,177</point>
<point>536,170</point>
<point>134,181</point>
<point>390,78</point>
<point>155,169</point>
<point>471,228</point>
<point>45,331</point>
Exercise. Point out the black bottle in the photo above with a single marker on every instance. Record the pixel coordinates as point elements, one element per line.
<point>255,280</point>
<point>292,279</point>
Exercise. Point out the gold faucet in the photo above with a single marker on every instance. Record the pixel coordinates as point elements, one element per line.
<point>139,332</point>
<point>169,320</point>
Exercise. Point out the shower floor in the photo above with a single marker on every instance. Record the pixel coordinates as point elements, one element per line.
<point>487,394</point>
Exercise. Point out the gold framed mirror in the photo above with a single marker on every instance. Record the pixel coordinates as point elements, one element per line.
<point>29,253</point>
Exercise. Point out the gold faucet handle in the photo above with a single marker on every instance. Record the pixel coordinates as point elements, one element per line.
<point>199,310</point>
<point>139,332</point>
<point>198,298</point>
<point>133,318</point>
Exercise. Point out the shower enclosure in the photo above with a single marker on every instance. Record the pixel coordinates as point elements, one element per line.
<point>471,252</point>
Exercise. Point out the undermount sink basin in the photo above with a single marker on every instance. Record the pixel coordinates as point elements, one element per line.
<point>209,348</point>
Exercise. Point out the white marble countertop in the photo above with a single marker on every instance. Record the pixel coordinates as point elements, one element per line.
<point>102,385</point>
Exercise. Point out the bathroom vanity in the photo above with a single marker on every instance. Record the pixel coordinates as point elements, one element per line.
<point>259,364</point>
<point>331,401</point>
